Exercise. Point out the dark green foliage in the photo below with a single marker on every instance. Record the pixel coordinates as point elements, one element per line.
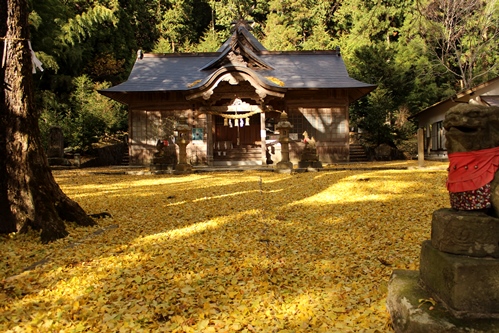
<point>86,118</point>
<point>376,114</point>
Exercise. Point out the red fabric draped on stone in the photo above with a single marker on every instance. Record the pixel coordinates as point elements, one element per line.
<point>472,170</point>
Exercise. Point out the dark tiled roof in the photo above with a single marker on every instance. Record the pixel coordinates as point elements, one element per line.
<point>182,71</point>
<point>311,70</point>
<point>165,73</point>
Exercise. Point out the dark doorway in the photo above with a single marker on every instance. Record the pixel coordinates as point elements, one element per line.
<point>248,134</point>
<point>237,139</point>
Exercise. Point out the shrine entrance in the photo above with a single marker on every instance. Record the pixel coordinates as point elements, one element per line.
<point>238,131</point>
<point>236,135</point>
<point>237,139</point>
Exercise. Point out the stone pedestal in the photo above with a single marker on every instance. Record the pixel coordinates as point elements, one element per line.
<point>468,233</point>
<point>459,268</point>
<point>183,168</point>
<point>309,159</point>
<point>283,167</point>
<point>409,315</point>
<point>468,286</point>
<point>310,164</point>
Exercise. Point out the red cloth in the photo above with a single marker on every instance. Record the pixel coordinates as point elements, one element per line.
<point>469,171</point>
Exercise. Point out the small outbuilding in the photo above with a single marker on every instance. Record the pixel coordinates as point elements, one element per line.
<point>233,99</point>
<point>431,119</point>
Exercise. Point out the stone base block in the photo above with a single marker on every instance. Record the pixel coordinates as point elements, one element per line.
<point>469,286</point>
<point>310,164</point>
<point>283,167</point>
<point>284,171</point>
<point>183,168</point>
<point>474,234</point>
<point>162,167</point>
<point>409,315</point>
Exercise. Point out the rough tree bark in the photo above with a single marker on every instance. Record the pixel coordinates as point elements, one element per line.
<point>29,194</point>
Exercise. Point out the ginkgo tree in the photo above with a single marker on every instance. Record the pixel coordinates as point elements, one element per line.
<point>462,35</point>
<point>29,195</point>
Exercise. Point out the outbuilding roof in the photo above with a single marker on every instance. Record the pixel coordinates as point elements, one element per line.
<point>487,93</point>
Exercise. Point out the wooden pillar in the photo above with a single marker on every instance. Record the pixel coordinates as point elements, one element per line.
<point>429,139</point>
<point>210,130</point>
<point>131,136</point>
<point>263,138</point>
<point>420,147</point>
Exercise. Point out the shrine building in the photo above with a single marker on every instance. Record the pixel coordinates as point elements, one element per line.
<point>233,99</point>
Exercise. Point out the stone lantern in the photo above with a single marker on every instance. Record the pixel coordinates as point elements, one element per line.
<point>183,129</point>
<point>284,127</point>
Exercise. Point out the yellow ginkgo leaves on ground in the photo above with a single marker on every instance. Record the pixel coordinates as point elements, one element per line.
<point>222,252</point>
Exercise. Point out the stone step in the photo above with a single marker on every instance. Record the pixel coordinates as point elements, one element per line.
<point>357,153</point>
<point>238,154</point>
<point>126,158</point>
<point>236,163</point>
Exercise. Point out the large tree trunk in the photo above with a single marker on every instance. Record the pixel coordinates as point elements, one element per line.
<point>29,195</point>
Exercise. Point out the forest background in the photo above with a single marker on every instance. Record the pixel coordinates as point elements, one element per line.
<point>417,52</point>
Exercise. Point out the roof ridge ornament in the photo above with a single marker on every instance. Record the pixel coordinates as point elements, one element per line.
<point>236,24</point>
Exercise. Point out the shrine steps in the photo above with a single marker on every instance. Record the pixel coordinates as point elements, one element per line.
<point>244,155</point>
<point>126,158</point>
<point>357,153</point>
<point>236,163</point>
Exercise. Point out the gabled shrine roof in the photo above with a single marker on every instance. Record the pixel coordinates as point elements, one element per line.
<point>283,70</point>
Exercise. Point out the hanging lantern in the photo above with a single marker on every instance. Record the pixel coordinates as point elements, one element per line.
<point>230,123</point>
<point>241,122</point>
<point>247,122</point>
<point>226,122</point>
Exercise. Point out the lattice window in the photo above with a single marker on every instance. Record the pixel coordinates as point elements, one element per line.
<point>437,136</point>
<point>139,127</point>
<point>323,124</point>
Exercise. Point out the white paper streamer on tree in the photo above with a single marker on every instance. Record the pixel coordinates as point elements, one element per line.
<point>4,57</point>
<point>36,63</point>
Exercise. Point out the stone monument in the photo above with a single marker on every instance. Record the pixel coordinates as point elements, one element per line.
<point>309,157</point>
<point>55,151</point>
<point>459,266</point>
